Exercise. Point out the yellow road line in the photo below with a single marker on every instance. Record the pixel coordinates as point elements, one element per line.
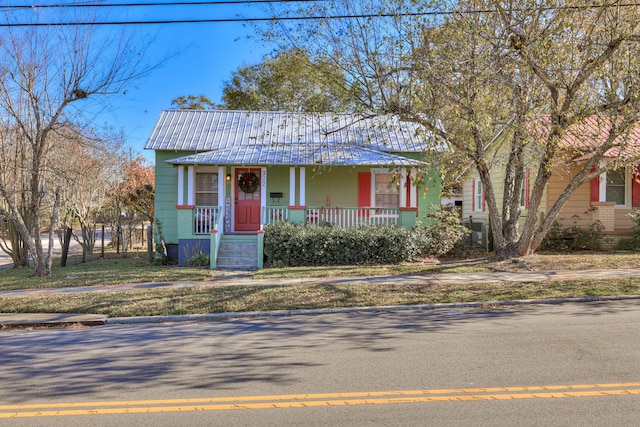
<point>321,399</point>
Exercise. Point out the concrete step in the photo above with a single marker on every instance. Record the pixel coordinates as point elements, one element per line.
<point>231,246</point>
<point>238,253</point>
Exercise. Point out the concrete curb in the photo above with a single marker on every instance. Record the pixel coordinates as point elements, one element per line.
<point>13,320</point>
<point>289,313</point>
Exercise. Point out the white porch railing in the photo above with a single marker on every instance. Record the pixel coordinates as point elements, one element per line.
<point>352,217</point>
<point>271,214</point>
<point>338,217</point>
<point>204,219</point>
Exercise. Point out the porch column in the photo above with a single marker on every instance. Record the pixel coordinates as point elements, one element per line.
<point>221,187</point>
<point>297,212</point>
<point>191,174</point>
<point>221,183</point>
<point>403,188</point>
<point>292,186</point>
<point>413,195</point>
<point>303,187</point>
<point>263,194</point>
<point>180,185</point>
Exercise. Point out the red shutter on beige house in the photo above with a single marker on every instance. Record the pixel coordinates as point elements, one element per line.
<point>473,195</point>
<point>595,188</point>
<point>364,189</point>
<point>635,187</point>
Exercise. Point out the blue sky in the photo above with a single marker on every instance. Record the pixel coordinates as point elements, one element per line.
<point>201,56</point>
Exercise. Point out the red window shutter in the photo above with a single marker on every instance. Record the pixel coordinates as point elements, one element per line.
<point>635,187</point>
<point>364,189</point>
<point>595,188</point>
<point>473,195</point>
<point>408,198</point>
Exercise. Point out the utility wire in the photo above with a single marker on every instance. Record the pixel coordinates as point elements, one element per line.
<point>170,3</point>
<point>198,21</point>
<point>279,18</point>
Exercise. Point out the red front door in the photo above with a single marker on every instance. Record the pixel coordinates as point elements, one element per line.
<point>247,215</point>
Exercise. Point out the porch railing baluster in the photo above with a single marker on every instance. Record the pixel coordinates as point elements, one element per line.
<point>204,217</point>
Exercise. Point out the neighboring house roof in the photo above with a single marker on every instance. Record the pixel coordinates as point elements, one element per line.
<point>267,137</point>
<point>580,138</point>
<point>593,131</point>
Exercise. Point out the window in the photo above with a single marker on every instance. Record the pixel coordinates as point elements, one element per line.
<point>387,191</point>
<point>477,196</point>
<point>206,189</point>
<point>616,187</point>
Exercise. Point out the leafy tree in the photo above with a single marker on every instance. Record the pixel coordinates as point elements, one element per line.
<point>88,166</point>
<point>138,188</point>
<point>465,69</point>
<point>289,81</point>
<point>192,102</point>
<point>130,200</point>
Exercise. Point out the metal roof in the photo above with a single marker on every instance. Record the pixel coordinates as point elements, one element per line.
<point>204,130</point>
<point>295,154</point>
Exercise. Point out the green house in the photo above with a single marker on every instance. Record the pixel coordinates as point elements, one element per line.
<point>221,176</point>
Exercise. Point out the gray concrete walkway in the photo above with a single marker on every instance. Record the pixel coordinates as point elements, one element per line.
<point>246,279</point>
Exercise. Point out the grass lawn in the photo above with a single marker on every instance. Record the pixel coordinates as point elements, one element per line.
<point>212,299</point>
<point>110,270</point>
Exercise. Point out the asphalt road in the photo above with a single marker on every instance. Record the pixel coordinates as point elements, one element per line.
<point>74,248</point>
<point>564,365</point>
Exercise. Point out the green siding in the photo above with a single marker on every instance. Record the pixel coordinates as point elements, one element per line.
<point>166,195</point>
<point>429,193</point>
<point>335,187</point>
<point>278,182</point>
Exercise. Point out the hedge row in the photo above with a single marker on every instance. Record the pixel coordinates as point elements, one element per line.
<point>307,244</point>
<point>295,245</point>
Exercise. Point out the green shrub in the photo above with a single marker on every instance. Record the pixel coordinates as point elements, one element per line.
<point>307,244</point>
<point>197,258</point>
<point>574,238</point>
<point>632,243</point>
<point>287,244</point>
<point>160,255</point>
<point>440,235</point>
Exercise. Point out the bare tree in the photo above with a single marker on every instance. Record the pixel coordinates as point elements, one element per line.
<point>13,166</point>
<point>87,166</point>
<point>465,69</point>
<point>44,71</point>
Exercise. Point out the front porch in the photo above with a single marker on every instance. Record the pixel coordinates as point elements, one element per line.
<point>201,225</point>
<point>206,224</point>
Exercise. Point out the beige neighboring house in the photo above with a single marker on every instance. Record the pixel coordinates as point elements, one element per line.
<point>609,198</point>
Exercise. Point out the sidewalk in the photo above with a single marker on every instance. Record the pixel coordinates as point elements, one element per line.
<point>245,279</point>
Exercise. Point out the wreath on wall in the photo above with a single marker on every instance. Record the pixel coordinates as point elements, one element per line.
<point>249,182</point>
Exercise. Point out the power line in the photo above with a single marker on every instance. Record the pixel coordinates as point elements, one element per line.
<point>201,21</point>
<point>171,3</point>
<point>274,18</point>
